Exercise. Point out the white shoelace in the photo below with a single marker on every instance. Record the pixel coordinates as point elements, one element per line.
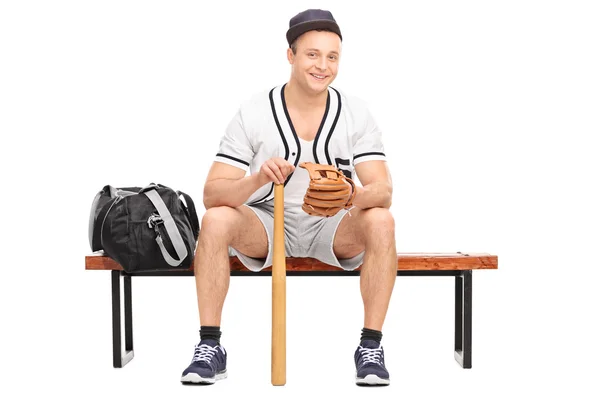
<point>204,353</point>
<point>371,355</point>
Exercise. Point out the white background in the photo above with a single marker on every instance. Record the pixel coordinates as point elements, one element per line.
<point>490,120</point>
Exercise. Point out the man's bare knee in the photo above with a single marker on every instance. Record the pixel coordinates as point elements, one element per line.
<point>238,227</point>
<point>218,223</point>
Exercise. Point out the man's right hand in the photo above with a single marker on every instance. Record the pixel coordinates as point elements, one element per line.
<point>275,170</point>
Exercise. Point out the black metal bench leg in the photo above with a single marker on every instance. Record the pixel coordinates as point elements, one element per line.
<point>463,291</point>
<point>120,359</point>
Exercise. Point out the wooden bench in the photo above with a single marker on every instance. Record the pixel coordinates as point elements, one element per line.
<point>459,265</point>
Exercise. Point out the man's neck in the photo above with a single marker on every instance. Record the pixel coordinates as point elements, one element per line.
<point>296,97</point>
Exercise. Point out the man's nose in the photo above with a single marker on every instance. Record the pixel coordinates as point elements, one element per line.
<point>322,63</point>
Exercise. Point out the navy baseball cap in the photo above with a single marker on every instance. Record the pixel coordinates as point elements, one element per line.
<point>311,20</point>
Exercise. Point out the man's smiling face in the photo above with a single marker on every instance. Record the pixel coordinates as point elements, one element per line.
<point>315,64</point>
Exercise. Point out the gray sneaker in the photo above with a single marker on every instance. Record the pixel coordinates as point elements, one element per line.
<point>209,364</point>
<point>370,365</point>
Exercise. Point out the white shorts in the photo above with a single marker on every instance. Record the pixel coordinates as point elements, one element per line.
<point>304,236</point>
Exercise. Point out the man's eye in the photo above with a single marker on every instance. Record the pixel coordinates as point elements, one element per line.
<point>311,54</point>
<point>333,57</point>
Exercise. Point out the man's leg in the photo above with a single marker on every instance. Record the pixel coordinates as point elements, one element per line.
<point>372,231</point>
<point>221,227</point>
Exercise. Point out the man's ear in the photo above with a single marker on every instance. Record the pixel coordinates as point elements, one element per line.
<point>290,55</point>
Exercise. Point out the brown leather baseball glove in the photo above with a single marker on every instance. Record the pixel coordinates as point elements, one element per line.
<point>327,191</point>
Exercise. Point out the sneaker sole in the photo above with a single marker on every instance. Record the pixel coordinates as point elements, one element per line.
<point>372,380</point>
<point>197,379</point>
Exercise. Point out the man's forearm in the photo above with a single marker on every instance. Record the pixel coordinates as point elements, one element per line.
<point>377,194</point>
<point>230,192</point>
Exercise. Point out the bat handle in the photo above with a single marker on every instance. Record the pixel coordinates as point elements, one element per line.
<point>278,339</point>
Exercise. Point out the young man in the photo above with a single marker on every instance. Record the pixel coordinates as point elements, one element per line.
<point>303,120</point>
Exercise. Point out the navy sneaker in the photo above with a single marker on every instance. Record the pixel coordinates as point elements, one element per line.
<point>370,364</point>
<point>209,364</point>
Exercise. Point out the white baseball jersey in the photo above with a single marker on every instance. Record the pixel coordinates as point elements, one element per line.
<point>262,129</point>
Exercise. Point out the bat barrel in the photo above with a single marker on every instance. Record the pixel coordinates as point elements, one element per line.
<point>278,342</point>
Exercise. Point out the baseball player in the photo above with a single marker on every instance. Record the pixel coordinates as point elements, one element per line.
<point>282,136</point>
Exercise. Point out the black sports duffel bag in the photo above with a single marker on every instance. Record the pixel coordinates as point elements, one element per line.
<point>144,229</point>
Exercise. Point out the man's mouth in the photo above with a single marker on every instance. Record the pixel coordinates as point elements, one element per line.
<point>319,77</point>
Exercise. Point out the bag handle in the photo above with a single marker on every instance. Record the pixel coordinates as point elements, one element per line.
<point>192,212</point>
<point>171,228</point>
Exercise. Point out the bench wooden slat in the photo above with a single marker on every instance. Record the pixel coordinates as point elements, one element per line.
<point>406,261</point>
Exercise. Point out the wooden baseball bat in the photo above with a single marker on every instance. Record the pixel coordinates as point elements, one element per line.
<point>278,364</point>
